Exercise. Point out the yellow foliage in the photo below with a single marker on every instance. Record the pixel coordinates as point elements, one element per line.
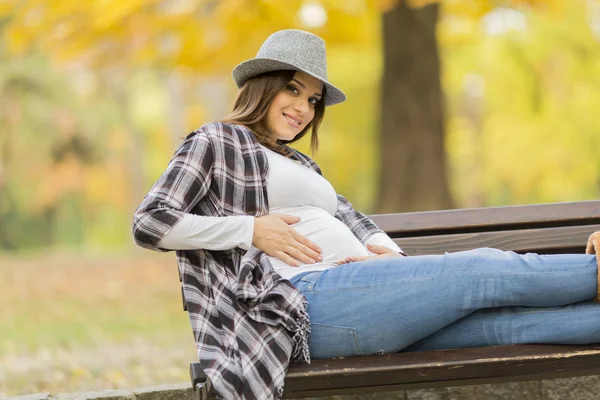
<point>519,129</point>
<point>202,35</point>
<point>101,189</point>
<point>195,115</point>
<point>66,176</point>
<point>533,130</point>
<point>420,3</point>
<point>205,36</point>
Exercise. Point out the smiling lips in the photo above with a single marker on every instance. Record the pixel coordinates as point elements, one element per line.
<point>295,122</point>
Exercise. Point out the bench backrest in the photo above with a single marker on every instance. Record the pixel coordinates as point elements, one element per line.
<point>542,228</point>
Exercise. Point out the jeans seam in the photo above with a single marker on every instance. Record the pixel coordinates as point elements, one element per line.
<point>310,288</point>
<point>528,311</point>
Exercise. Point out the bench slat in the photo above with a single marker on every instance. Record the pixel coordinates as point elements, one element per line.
<point>446,367</point>
<point>570,239</point>
<point>481,219</point>
<point>430,369</point>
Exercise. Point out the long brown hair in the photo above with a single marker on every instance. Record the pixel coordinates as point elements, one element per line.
<point>252,104</point>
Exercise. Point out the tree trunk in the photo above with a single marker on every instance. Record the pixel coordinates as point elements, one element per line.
<point>413,159</point>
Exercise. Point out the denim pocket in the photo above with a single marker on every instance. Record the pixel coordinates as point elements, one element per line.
<point>328,341</point>
<point>306,282</point>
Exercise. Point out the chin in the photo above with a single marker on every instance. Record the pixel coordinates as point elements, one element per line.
<point>287,136</point>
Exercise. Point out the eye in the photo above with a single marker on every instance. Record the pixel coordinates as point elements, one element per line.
<point>313,101</point>
<point>292,89</point>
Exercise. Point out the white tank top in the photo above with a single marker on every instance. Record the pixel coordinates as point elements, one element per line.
<point>297,190</point>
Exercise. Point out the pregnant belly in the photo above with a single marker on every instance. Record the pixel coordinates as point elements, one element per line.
<point>330,234</point>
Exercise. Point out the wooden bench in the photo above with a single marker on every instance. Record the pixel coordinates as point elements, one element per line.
<point>544,228</point>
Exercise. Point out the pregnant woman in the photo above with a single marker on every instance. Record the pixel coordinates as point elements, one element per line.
<point>277,266</point>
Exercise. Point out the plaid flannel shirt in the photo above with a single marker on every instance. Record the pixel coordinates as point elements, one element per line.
<point>247,321</point>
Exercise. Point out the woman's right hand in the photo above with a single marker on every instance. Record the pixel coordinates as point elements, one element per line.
<point>274,235</point>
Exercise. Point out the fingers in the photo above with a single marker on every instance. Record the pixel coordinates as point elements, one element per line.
<point>274,235</point>
<point>283,256</point>
<point>306,246</point>
<point>387,253</point>
<point>302,254</point>
<point>378,249</point>
<point>303,249</point>
<point>357,258</point>
<point>288,219</point>
<point>294,257</point>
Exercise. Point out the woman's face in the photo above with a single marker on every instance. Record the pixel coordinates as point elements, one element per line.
<point>293,108</point>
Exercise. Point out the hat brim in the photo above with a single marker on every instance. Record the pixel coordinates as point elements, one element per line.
<point>257,66</point>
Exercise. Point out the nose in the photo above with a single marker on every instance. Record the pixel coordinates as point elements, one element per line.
<point>301,105</point>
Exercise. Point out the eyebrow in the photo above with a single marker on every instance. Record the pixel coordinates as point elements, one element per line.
<point>303,86</point>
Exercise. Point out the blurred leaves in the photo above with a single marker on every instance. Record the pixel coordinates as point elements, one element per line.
<point>48,142</point>
<point>202,35</point>
<point>521,104</point>
<point>81,322</point>
<point>101,94</point>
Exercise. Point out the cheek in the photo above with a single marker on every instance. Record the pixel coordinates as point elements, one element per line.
<point>273,111</point>
<point>275,108</point>
<point>276,114</point>
<point>280,101</point>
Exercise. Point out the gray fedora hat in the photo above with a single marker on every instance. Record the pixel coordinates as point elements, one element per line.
<point>291,49</point>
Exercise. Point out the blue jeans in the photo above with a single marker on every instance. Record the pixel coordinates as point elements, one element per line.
<point>472,298</point>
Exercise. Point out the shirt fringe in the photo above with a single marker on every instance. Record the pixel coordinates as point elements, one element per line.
<point>301,352</point>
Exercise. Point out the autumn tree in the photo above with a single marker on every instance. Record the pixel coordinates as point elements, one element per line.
<point>204,35</point>
<point>170,34</point>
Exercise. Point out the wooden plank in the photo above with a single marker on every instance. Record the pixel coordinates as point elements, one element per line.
<point>443,368</point>
<point>436,369</point>
<point>403,361</point>
<point>478,219</point>
<point>544,240</point>
<point>432,385</point>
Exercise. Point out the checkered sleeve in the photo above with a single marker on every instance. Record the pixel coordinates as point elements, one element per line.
<point>362,226</point>
<point>182,185</point>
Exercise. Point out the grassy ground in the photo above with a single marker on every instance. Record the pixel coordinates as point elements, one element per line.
<point>72,322</point>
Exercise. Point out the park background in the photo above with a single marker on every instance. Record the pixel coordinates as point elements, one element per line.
<point>451,104</point>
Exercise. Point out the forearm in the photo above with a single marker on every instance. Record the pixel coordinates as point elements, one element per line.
<point>181,186</point>
<point>194,232</point>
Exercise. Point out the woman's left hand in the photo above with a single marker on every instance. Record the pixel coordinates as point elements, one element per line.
<point>380,252</point>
